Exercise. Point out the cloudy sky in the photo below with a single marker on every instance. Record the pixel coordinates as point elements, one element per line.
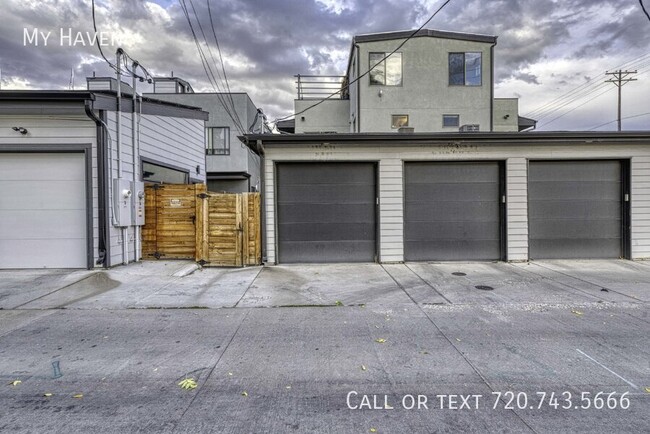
<point>552,54</point>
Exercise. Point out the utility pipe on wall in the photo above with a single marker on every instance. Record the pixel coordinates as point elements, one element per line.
<point>124,230</point>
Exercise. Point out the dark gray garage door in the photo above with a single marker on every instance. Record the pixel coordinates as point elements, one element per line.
<point>574,209</point>
<point>326,212</point>
<point>452,211</point>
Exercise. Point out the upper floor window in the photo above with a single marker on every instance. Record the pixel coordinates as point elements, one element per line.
<point>450,120</point>
<point>217,141</point>
<point>465,69</point>
<point>388,72</point>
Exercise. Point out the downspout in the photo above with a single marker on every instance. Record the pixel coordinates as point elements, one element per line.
<point>102,224</point>
<point>358,83</point>
<point>124,231</point>
<point>492,86</point>
<point>135,156</point>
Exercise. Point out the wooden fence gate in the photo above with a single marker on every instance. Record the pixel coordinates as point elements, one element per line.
<point>215,229</point>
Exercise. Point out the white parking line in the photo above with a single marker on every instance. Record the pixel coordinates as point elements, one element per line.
<point>605,367</point>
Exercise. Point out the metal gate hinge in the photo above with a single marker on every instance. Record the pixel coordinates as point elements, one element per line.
<point>202,195</point>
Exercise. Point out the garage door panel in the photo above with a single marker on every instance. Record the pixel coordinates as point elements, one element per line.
<point>457,192</point>
<point>326,212</point>
<point>42,224</point>
<point>422,173</point>
<point>595,248</point>
<point>452,211</point>
<point>43,253</point>
<point>454,250</point>
<point>326,174</point>
<point>576,171</point>
<point>578,228</point>
<point>441,210</point>
<point>575,209</point>
<point>325,193</point>
<point>331,251</point>
<point>358,231</point>
<point>42,167</point>
<point>323,213</point>
<point>572,190</point>
<point>51,195</point>
<point>474,230</point>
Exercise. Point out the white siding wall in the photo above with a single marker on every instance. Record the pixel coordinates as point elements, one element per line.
<point>60,130</point>
<point>517,208</point>
<point>391,189</point>
<point>177,142</point>
<point>640,207</point>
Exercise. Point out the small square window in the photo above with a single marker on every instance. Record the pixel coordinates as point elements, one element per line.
<point>398,121</point>
<point>465,69</point>
<point>450,120</point>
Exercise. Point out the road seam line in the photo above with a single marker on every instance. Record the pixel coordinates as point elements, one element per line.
<point>606,368</point>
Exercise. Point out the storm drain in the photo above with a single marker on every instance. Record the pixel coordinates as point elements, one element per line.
<point>458,273</point>
<point>484,287</point>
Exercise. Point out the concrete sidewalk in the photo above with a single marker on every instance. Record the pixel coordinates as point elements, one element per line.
<point>180,284</point>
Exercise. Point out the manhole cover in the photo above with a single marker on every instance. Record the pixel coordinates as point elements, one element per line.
<point>605,290</point>
<point>458,273</point>
<point>484,287</point>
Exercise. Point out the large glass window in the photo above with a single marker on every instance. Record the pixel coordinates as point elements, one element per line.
<point>465,69</point>
<point>388,72</point>
<point>158,173</point>
<point>217,141</point>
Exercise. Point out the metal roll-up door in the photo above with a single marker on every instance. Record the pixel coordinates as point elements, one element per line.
<point>43,210</point>
<point>326,212</point>
<point>574,209</point>
<point>452,211</point>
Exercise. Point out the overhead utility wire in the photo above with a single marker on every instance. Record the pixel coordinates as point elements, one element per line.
<point>223,66</point>
<point>368,71</point>
<point>206,66</point>
<point>644,11</point>
<point>574,93</point>
<point>616,120</point>
<point>602,85</point>
<point>576,107</point>
<point>216,64</point>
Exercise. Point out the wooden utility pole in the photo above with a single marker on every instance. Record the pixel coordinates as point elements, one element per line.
<point>619,79</point>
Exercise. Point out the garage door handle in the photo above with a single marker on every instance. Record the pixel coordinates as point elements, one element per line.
<point>503,199</point>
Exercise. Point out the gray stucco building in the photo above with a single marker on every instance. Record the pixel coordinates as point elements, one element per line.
<point>231,166</point>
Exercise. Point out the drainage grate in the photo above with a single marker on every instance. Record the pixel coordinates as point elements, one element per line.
<point>484,287</point>
<point>458,273</point>
<point>605,290</point>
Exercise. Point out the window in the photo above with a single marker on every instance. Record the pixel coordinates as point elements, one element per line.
<point>152,172</point>
<point>399,121</point>
<point>465,69</point>
<point>217,141</point>
<point>388,72</point>
<point>450,120</point>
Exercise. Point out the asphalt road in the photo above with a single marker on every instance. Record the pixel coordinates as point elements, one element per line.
<point>355,349</point>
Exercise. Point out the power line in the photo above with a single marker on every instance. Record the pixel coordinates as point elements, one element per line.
<point>208,69</point>
<point>575,108</point>
<point>615,120</point>
<point>346,86</point>
<point>644,11</point>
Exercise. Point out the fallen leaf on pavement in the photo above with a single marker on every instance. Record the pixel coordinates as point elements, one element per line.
<point>15,383</point>
<point>363,367</point>
<point>78,395</point>
<point>188,383</point>
<point>647,389</point>
<point>380,340</point>
<point>339,303</point>
<point>576,312</point>
<point>373,430</point>
<point>47,395</point>
<point>244,393</point>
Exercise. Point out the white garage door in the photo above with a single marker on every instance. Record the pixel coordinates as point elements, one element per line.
<point>42,210</point>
